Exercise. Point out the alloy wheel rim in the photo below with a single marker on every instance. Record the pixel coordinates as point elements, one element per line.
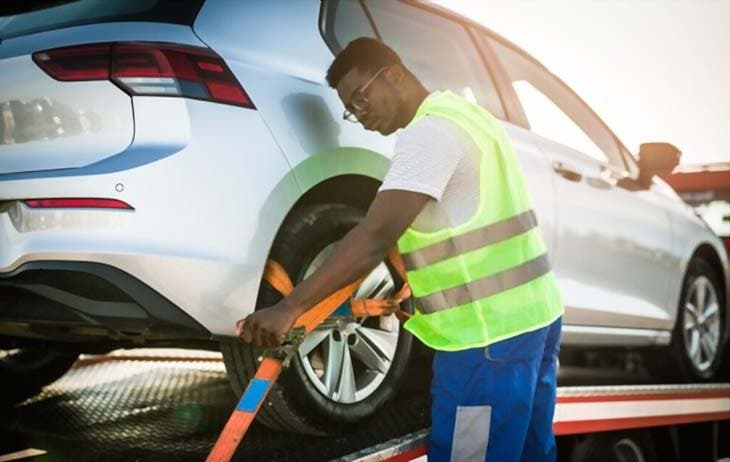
<point>6,355</point>
<point>21,359</point>
<point>347,358</point>
<point>626,450</point>
<point>701,324</point>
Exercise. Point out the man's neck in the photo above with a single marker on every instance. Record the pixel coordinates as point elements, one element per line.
<point>414,101</point>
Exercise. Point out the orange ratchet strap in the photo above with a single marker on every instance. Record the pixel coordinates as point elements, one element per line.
<point>272,363</point>
<point>275,360</point>
<point>277,276</point>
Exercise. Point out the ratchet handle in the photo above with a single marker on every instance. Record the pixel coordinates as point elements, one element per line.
<point>279,280</point>
<point>322,310</point>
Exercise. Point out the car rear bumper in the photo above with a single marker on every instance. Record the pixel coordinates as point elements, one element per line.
<point>83,300</point>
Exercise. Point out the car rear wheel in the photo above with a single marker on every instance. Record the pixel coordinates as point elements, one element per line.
<point>347,368</point>
<point>25,371</point>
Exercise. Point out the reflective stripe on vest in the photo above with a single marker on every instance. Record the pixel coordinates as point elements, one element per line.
<point>472,240</point>
<point>484,287</point>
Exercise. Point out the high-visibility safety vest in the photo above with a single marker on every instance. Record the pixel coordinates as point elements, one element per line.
<point>487,279</point>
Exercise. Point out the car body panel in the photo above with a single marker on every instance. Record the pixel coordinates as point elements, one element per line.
<point>540,184</point>
<point>94,120</point>
<point>609,241</point>
<point>47,124</point>
<point>691,233</point>
<point>291,94</point>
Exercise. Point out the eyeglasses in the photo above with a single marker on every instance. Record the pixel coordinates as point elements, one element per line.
<point>359,101</point>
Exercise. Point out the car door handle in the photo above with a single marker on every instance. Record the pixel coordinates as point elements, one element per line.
<point>598,183</point>
<point>608,178</point>
<point>566,172</point>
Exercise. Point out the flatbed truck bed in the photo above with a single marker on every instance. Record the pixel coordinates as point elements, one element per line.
<point>152,405</point>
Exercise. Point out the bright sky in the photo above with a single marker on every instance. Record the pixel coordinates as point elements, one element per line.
<point>654,70</point>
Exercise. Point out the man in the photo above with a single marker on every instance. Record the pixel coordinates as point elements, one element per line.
<point>455,203</point>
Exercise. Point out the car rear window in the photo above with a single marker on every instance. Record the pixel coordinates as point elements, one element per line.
<point>80,12</point>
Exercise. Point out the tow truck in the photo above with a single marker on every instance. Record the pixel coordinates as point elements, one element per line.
<point>616,423</point>
<point>157,404</point>
<point>706,188</point>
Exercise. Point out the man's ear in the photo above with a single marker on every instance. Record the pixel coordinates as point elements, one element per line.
<point>395,74</point>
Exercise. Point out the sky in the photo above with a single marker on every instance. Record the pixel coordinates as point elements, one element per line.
<point>653,70</point>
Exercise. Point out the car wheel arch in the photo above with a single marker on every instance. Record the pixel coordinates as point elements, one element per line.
<point>338,187</point>
<point>708,253</point>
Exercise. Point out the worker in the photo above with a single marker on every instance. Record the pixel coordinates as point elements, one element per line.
<point>455,202</point>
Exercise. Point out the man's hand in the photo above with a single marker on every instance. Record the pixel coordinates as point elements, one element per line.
<point>267,327</point>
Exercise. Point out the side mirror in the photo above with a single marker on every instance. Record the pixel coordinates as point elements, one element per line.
<point>655,159</point>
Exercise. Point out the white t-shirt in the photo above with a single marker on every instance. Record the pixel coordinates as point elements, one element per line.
<point>436,157</point>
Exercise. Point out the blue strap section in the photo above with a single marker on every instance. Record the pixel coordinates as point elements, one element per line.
<point>254,394</point>
<point>343,310</point>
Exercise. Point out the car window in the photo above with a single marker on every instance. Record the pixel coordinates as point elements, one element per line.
<point>553,110</point>
<point>548,120</point>
<point>342,21</point>
<point>79,12</point>
<point>438,51</point>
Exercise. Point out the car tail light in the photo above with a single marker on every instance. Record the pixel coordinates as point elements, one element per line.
<point>83,203</point>
<point>88,62</point>
<point>151,69</point>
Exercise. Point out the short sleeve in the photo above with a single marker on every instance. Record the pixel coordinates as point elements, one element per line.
<point>426,155</point>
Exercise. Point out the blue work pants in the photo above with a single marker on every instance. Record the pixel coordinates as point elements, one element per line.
<point>496,403</point>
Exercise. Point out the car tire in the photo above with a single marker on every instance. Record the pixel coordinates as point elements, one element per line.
<point>700,319</point>
<point>622,446</point>
<point>25,371</point>
<point>304,399</point>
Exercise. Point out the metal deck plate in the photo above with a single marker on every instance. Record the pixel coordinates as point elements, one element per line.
<point>169,405</point>
<point>160,408</point>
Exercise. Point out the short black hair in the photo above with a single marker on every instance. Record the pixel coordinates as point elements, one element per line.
<point>364,53</point>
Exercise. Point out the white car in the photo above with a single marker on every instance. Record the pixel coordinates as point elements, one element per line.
<point>155,154</point>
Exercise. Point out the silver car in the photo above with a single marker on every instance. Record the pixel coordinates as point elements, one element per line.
<point>155,154</point>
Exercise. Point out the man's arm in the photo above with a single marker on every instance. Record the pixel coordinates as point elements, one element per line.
<point>361,250</point>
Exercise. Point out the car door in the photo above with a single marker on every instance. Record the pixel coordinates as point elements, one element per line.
<point>443,54</point>
<point>613,252</point>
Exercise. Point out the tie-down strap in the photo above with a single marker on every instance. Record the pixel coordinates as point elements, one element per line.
<point>276,275</point>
